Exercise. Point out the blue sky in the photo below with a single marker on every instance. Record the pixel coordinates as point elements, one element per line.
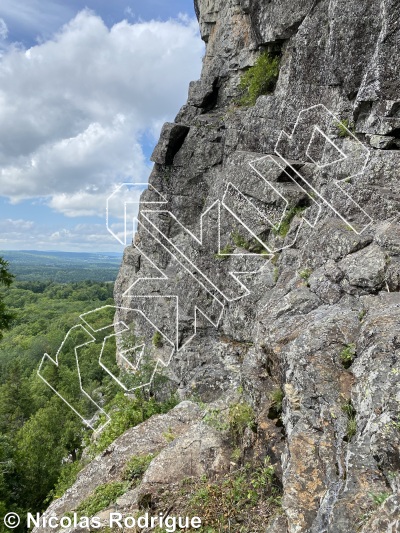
<point>28,20</point>
<point>84,90</point>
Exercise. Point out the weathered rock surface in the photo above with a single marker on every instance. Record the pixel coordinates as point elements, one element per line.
<point>331,290</point>
<point>150,437</point>
<point>201,451</point>
<point>334,286</point>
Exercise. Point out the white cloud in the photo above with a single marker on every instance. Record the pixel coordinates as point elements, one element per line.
<point>73,109</point>
<point>129,12</point>
<point>3,29</point>
<point>81,237</point>
<point>10,224</point>
<point>27,235</point>
<point>38,16</point>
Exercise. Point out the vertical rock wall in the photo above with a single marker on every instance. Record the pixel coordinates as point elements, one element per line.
<point>331,290</point>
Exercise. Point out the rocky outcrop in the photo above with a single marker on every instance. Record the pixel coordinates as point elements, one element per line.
<point>319,321</point>
<point>150,437</point>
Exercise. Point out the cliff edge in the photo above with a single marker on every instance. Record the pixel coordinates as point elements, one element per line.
<point>279,238</point>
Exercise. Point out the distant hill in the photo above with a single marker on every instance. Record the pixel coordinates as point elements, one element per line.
<point>63,267</point>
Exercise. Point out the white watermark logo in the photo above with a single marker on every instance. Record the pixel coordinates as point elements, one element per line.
<point>168,523</point>
<point>12,520</point>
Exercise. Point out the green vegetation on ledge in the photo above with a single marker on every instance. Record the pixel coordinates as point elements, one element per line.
<point>102,497</point>
<point>223,254</point>
<point>259,79</point>
<point>136,467</point>
<point>347,355</point>
<point>283,229</point>
<point>345,128</point>
<point>240,501</point>
<point>350,412</point>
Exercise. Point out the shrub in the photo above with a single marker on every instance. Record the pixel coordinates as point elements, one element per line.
<point>236,455</point>
<point>259,79</point>
<point>216,419</point>
<point>157,340</point>
<point>347,355</point>
<point>67,478</point>
<point>136,467</point>
<point>232,500</point>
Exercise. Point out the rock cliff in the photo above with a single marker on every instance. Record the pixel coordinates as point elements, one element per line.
<point>309,332</point>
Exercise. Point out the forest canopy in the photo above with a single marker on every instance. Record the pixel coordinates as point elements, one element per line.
<point>41,438</point>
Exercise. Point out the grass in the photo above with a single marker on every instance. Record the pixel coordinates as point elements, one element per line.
<point>351,428</point>
<point>101,498</point>
<point>283,229</point>
<point>252,245</point>
<point>241,416</point>
<point>223,254</point>
<point>169,435</point>
<point>305,274</point>
<point>239,240</point>
<point>347,355</point>
<point>379,498</point>
<point>345,128</point>
<point>277,397</point>
<point>229,504</point>
<point>259,79</point>
<point>275,411</point>
<point>275,259</point>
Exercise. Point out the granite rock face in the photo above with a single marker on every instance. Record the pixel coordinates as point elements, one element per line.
<point>330,290</point>
<point>315,312</point>
<point>150,437</point>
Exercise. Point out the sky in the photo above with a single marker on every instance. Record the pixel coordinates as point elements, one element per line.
<point>84,90</point>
